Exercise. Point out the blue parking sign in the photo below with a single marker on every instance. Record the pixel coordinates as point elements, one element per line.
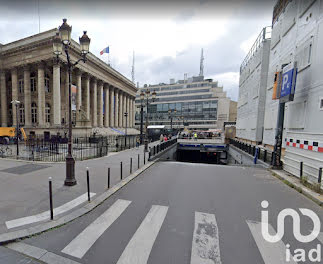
<point>288,83</point>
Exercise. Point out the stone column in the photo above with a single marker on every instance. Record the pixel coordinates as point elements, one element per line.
<point>133,112</point>
<point>106,106</point>
<point>56,100</point>
<point>125,109</point>
<point>3,93</point>
<point>129,111</point>
<point>111,107</point>
<point>120,109</point>
<point>78,92</point>
<point>27,96</point>
<point>116,115</point>
<point>100,104</point>
<point>87,97</point>
<point>41,95</point>
<point>14,93</point>
<point>94,103</point>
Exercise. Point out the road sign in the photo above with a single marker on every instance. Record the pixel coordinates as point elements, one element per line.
<point>288,82</point>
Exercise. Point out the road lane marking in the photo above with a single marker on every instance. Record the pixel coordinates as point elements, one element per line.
<point>272,253</point>
<point>46,215</point>
<point>205,243</point>
<point>84,241</point>
<point>140,245</point>
<point>320,237</point>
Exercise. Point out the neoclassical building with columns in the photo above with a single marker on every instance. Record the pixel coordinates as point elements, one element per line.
<point>31,74</point>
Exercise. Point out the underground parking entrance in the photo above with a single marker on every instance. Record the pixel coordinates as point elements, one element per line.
<point>197,153</point>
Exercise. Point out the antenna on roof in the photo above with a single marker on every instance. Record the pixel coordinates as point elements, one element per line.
<point>38,19</point>
<point>133,68</point>
<point>201,64</point>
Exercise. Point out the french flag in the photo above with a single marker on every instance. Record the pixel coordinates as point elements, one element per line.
<point>105,50</point>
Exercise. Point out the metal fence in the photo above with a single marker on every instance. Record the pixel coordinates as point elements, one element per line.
<point>154,150</point>
<point>263,154</point>
<point>55,149</point>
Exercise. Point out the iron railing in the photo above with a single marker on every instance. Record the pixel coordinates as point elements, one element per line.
<point>55,149</point>
<point>265,155</point>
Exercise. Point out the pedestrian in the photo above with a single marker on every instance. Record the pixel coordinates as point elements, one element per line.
<point>161,138</point>
<point>165,138</point>
<point>195,136</point>
<point>137,143</point>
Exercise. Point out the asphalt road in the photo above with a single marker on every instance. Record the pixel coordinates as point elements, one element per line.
<point>184,213</point>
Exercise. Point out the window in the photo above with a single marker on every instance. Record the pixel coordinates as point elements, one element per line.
<point>47,86</point>
<point>33,82</point>
<point>21,114</point>
<point>321,103</point>
<point>47,113</point>
<point>34,113</point>
<point>21,85</point>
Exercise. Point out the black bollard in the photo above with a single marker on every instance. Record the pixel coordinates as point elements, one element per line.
<point>138,161</point>
<point>88,184</point>
<point>265,155</point>
<point>320,176</point>
<point>301,170</point>
<point>108,178</point>
<point>121,170</point>
<point>51,199</point>
<point>130,165</point>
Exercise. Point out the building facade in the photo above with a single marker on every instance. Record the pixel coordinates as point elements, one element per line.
<point>297,36</point>
<point>252,89</point>
<point>31,74</point>
<point>197,103</point>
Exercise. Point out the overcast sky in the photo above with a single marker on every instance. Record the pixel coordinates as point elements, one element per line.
<point>167,36</point>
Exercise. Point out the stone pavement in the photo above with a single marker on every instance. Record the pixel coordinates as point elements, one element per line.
<point>24,185</point>
<point>294,182</point>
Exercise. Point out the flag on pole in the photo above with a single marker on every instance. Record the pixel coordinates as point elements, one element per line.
<point>105,50</point>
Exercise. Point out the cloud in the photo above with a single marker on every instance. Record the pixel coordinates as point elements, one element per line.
<point>185,16</point>
<point>167,36</point>
<point>230,83</point>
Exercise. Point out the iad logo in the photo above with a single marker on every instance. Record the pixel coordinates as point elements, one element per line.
<point>300,254</point>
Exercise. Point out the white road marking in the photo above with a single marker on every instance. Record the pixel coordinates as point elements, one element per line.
<point>320,237</point>
<point>83,242</point>
<point>205,243</point>
<point>46,215</point>
<point>272,253</point>
<point>140,245</point>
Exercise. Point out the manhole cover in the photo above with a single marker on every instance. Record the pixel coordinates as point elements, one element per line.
<point>25,169</point>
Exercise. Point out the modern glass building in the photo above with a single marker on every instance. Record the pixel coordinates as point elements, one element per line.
<point>196,102</point>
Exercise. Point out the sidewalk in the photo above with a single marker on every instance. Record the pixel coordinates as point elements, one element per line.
<point>24,185</point>
<point>294,182</point>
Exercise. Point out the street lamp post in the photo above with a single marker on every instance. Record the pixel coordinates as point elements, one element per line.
<point>141,121</point>
<point>183,118</point>
<point>170,115</point>
<point>142,98</point>
<point>125,138</point>
<point>16,103</point>
<point>63,38</point>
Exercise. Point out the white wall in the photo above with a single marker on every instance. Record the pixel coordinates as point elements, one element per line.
<point>251,102</point>
<point>298,36</point>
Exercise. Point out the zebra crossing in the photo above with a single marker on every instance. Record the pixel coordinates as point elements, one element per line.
<point>205,237</point>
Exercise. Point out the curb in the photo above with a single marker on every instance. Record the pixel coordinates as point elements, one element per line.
<point>300,189</point>
<point>34,230</point>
